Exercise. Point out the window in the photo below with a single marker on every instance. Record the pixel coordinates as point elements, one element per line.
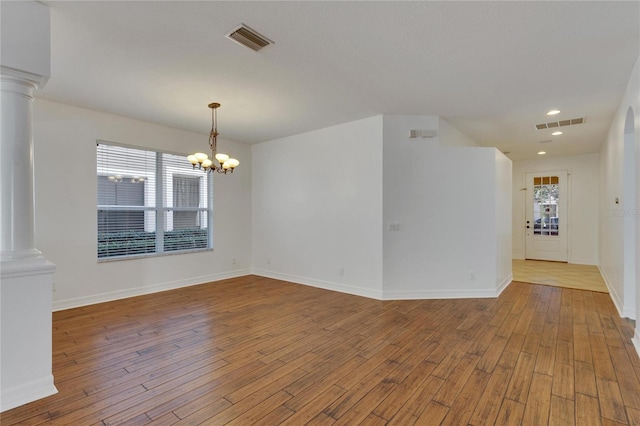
<point>123,193</point>
<point>186,193</point>
<point>150,203</point>
<point>546,195</point>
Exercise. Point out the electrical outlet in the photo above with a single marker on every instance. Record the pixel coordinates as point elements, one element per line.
<point>234,261</point>
<point>472,275</point>
<point>53,286</point>
<point>341,272</point>
<point>269,261</point>
<point>394,227</point>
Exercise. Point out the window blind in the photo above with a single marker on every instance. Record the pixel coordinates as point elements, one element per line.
<point>150,202</point>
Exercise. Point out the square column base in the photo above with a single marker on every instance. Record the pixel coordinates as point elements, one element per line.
<point>25,331</point>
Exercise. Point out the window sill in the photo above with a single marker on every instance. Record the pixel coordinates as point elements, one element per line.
<point>151,255</point>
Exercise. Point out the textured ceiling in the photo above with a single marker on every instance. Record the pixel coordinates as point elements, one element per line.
<point>492,69</point>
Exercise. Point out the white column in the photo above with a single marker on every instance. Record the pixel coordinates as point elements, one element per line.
<point>26,277</point>
<point>16,157</point>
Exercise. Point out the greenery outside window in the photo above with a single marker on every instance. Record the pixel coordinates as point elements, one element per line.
<point>150,203</point>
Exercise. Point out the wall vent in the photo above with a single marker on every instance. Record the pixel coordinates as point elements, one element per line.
<point>561,123</point>
<point>248,37</point>
<point>422,134</point>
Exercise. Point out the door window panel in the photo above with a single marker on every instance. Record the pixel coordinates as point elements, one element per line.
<point>546,214</point>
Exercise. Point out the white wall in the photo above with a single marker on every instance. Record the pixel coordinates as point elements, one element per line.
<point>630,214</point>
<point>306,208</point>
<point>612,215</point>
<point>450,136</point>
<point>631,90</point>
<point>65,180</point>
<point>611,254</point>
<point>323,218</point>
<point>504,218</point>
<point>583,204</point>
<point>317,208</point>
<point>444,201</point>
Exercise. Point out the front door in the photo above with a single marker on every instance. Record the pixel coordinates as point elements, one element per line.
<point>546,216</point>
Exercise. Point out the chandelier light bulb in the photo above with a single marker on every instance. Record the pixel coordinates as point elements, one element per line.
<point>221,157</point>
<point>192,159</point>
<point>232,162</point>
<point>200,156</point>
<point>207,163</point>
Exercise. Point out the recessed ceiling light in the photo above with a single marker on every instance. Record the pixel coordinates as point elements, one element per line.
<point>542,153</point>
<point>554,112</point>
<point>556,133</point>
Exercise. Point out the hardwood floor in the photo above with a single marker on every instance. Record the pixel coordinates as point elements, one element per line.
<point>255,350</point>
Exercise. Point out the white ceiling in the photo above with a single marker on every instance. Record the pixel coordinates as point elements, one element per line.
<point>492,69</point>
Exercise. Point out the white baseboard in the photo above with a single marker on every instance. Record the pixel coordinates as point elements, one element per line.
<point>628,312</point>
<point>28,392</point>
<point>447,294</point>
<point>387,295</point>
<point>326,285</point>
<point>439,294</point>
<point>60,305</point>
<point>636,341</point>
<point>574,260</point>
<point>615,297</point>
<point>504,284</point>
<point>578,261</point>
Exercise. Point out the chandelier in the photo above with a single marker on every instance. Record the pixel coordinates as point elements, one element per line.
<point>202,161</point>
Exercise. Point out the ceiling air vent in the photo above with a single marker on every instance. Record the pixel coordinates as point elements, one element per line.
<point>249,38</point>
<point>562,123</point>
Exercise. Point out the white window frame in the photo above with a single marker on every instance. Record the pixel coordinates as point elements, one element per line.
<point>162,191</point>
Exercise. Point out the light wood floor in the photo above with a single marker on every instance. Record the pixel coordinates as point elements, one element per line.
<point>559,274</point>
<point>259,351</point>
